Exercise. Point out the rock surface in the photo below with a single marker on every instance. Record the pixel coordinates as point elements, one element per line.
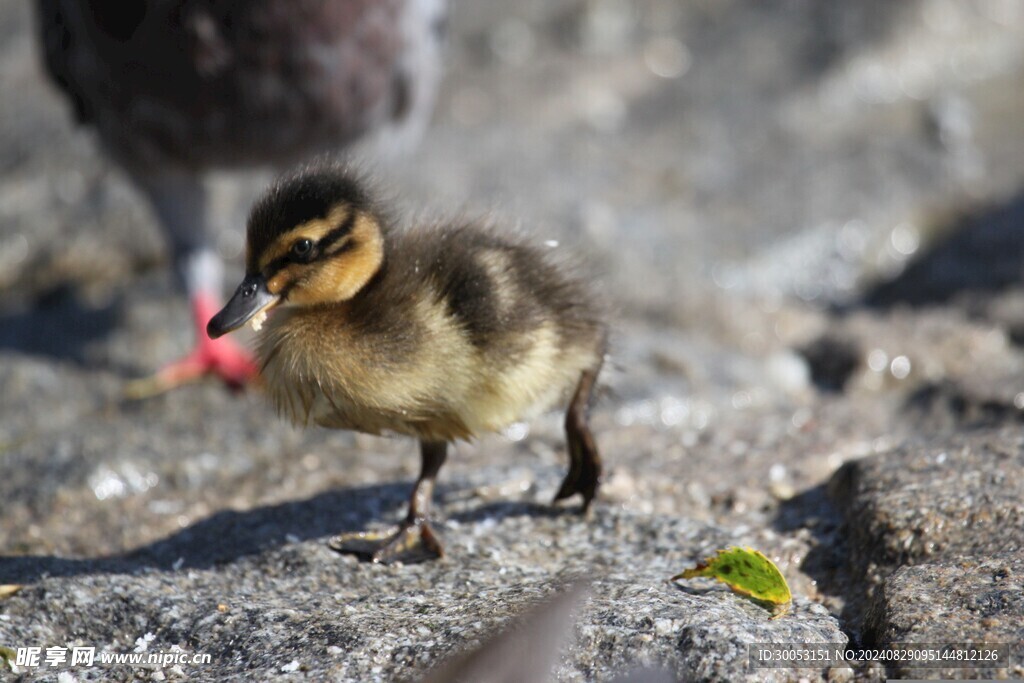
<point>969,600</point>
<point>807,217</point>
<point>926,501</point>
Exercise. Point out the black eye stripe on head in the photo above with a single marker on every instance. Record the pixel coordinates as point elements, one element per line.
<point>342,248</point>
<point>339,232</point>
<point>319,248</point>
<point>277,264</point>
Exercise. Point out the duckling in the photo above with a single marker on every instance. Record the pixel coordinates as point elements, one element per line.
<point>176,88</point>
<point>441,333</point>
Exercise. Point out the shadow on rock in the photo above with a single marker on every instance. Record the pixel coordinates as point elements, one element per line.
<point>509,509</point>
<point>827,562</point>
<point>832,361</point>
<point>58,325</point>
<point>227,536</point>
<point>982,253</point>
<point>945,407</point>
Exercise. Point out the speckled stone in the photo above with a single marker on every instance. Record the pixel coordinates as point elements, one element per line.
<point>301,602</point>
<point>977,600</point>
<point>933,499</point>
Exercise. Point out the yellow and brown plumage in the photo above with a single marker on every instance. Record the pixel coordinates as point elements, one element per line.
<point>440,333</point>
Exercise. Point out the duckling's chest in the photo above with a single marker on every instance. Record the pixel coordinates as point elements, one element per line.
<point>337,375</point>
<point>422,375</point>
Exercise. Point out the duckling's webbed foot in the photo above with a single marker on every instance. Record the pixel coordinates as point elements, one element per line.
<point>411,541</point>
<point>414,540</point>
<point>584,459</point>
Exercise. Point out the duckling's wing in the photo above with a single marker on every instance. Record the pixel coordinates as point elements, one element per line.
<point>502,289</point>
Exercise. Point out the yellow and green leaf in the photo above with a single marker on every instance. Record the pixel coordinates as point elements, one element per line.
<point>746,571</point>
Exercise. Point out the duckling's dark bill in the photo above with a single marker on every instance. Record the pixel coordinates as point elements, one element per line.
<point>251,299</point>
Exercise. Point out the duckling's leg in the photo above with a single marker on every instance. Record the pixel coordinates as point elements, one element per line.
<point>584,460</point>
<point>180,202</point>
<point>413,540</point>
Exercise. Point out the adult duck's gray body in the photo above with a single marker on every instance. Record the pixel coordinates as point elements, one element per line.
<point>176,88</point>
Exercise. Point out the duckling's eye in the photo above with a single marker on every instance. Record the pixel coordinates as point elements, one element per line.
<point>302,249</point>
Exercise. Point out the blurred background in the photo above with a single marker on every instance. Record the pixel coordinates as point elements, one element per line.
<point>806,215</point>
<point>783,151</point>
